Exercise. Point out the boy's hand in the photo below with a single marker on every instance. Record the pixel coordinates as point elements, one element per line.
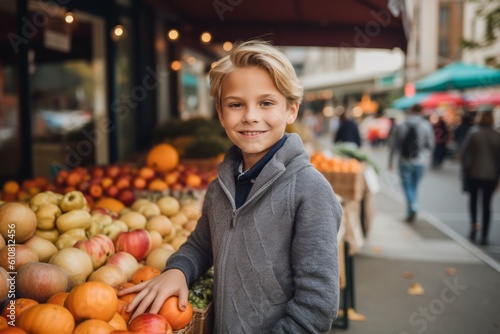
<point>155,291</point>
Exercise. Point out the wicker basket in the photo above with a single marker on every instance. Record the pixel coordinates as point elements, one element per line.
<point>189,329</point>
<point>203,320</point>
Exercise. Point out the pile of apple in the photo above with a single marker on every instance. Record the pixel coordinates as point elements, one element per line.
<point>59,243</point>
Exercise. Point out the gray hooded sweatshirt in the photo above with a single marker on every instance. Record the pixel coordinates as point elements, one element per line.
<point>276,257</point>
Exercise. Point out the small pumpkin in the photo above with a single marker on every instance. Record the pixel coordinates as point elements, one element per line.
<point>93,326</point>
<point>162,158</point>
<point>46,319</point>
<point>92,300</point>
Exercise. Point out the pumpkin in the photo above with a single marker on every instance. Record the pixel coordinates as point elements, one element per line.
<point>117,322</point>
<point>3,322</point>
<point>92,300</point>
<point>20,305</point>
<point>110,204</point>
<point>93,326</point>
<point>162,158</point>
<point>175,317</point>
<point>12,330</point>
<point>58,298</point>
<point>46,319</point>
<point>144,273</point>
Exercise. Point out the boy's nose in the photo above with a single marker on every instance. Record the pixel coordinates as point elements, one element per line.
<point>250,115</point>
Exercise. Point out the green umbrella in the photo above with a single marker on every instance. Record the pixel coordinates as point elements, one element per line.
<point>459,76</point>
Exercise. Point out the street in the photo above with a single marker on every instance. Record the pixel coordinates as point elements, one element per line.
<point>442,201</point>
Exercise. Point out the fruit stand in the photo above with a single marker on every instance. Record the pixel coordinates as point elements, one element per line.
<point>93,231</point>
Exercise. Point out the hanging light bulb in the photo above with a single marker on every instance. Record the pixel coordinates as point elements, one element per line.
<point>69,17</point>
<point>206,37</point>
<point>176,65</point>
<point>118,32</point>
<point>227,46</point>
<point>173,34</point>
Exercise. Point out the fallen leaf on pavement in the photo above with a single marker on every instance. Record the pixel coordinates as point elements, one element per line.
<point>408,274</point>
<point>416,289</point>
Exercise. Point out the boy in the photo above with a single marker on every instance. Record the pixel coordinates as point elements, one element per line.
<point>270,220</point>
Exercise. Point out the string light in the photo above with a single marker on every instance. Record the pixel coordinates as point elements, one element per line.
<point>176,65</point>
<point>118,32</point>
<point>69,17</point>
<point>173,34</point>
<point>227,46</point>
<point>206,37</point>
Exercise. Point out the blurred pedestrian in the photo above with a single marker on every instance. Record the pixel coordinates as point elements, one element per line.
<point>480,161</point>
<point>467,121</point>
<point>412,141</point>
<point>348,131</point>
<point>441,136</point>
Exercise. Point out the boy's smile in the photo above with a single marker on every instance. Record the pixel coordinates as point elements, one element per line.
<point>253,112</point>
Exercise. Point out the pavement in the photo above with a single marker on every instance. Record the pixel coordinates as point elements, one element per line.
<point>460,284</point>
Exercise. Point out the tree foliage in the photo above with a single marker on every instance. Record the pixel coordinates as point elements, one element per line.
<point>489,10</point>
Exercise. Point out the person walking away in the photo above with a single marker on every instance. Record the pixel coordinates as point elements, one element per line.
<point>348,131</point>
<point>441,136</point>
<point>269,221</point>
<point>411,142</point>
<point>467,121</point>
<point>480,162</point>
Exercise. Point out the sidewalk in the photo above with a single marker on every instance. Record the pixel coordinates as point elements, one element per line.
<point>461,291</point>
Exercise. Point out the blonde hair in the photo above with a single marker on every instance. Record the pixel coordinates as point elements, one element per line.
<point>263,55</point>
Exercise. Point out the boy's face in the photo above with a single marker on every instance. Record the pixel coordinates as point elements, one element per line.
<point>253,112</point>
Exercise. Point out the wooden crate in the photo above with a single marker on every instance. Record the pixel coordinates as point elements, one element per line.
<point>203,320</point>
<point>350,186</point>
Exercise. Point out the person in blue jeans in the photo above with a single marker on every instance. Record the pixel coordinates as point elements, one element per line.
<point>412,154</point>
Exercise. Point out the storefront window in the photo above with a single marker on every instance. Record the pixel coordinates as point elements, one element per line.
<point>194,87</point>
<point>9,107</point>
<point>66,77</point>
<point>125,120</point>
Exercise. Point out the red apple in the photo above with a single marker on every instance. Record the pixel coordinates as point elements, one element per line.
<point>126,196</point>
<point>136,242</point>
<point>112,171</point>
<point>105,211</point>
<point>95,190</point>
<point>97,172</point>
<point>83,186</point>
<point>100,248</point>
<point>150,323</point>
<point>123,182</point>
<point>111,191</point>
<point>126,261</point>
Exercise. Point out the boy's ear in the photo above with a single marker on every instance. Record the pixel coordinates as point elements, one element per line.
<point>293,111</point>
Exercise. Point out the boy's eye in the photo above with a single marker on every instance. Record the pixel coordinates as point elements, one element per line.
<point>235,105</point>
<point>266,103</point>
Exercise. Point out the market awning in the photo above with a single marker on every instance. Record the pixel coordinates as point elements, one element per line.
<point>354,23</point>
<point>406,102</point>
<point>459,75</point>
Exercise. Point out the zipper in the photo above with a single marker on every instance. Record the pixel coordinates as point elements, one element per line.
<point>222,268</point>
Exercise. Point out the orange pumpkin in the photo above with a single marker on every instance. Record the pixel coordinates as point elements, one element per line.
<point>58,298</point>
<point>117,322</point>
<point>110,204</point>
<point>144,273</point>
<point>175,317</point>
<point>20,305</point>
<point>12,330</point>
<point>3,322</point>
<point>122,310</point>
<point>92,300</point>
<point>162,158</point>
<point>40,319</point>
<point>93,326</point>
<point>11,187</point>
